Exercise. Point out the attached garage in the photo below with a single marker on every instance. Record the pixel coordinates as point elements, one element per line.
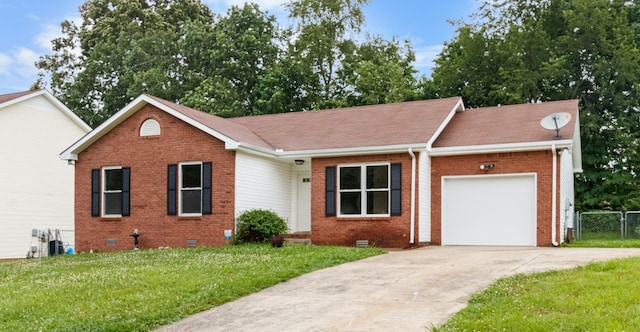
<point>489,210</point>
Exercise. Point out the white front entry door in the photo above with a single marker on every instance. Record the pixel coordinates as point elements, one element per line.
<point>304,203</point>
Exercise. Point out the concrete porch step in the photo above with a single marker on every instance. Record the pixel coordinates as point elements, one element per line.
<point>297,241</point>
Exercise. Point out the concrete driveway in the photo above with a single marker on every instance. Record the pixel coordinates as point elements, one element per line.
<point>401,291</point>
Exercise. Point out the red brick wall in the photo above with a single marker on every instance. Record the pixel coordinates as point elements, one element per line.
<point>148,158</point>
<point>391,232</point>
<point>539,162</point>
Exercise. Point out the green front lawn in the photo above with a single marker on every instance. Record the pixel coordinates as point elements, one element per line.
<point>601,296</point>
<point>141,290</point>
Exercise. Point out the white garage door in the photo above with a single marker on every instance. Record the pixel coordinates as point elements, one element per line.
<point>489,210</point>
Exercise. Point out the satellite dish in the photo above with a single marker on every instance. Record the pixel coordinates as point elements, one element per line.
<point>555,121</point>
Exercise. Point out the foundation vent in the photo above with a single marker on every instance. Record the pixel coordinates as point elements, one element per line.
<point>362,243</point>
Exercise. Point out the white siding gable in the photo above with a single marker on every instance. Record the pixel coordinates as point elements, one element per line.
<point>36,187</point>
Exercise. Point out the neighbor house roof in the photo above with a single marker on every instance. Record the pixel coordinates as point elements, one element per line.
<point>10,96</point>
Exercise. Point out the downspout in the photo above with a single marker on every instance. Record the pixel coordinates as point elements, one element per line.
<point>413,196</point>
<point>554,195</point>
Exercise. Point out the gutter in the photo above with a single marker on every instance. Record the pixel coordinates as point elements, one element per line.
<point>497,148</point>
<point>412,232</point>
<point>554,185</point>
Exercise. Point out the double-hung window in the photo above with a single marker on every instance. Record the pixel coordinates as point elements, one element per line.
<point>110,191</point>
<point>190,181</point>
<point>364,190</point>
<point>189,188</point>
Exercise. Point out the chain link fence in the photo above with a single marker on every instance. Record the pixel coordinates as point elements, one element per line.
<point>632,224</point>
<point>600,225</point>
<point>607,225</point>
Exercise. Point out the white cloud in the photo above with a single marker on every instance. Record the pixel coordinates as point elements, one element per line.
<point>5,64</point>
<point>425,57</point>
<point>19,62</point>
<point>25,59</point>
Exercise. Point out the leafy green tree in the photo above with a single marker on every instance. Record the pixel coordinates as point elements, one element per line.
<point>540,50</point>
<point>231,60</point>
<point>325,32</point>
<point>126,47</point>
<point>380,71</point>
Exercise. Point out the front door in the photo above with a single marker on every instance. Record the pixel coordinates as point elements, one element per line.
<point>304,202</point>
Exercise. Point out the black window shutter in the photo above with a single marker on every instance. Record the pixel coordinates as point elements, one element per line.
<point>126,195</point>
<point>330,191</point>
<point>396,189</point>
<point>95,192</point>
<point>206,188</point>
<point>172,182</point>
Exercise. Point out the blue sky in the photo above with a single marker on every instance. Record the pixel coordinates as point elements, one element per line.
<point>28,26</point>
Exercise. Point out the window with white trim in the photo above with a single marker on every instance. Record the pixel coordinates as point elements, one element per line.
<point>190,187</point>
<point>112,191</point>
<point>364,190</point>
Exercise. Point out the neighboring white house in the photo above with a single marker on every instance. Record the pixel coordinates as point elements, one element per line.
<point>36,187</point>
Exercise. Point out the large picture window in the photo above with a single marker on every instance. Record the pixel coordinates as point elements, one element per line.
<point>364,190</point>
<point>190,188</point>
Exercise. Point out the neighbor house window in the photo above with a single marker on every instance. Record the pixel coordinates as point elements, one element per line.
<point>110,191</point>
<point>190,182</point>
<point>364,190</point>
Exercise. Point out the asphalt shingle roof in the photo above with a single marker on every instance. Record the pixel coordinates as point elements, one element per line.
<point>506,124</point>
<point>412,122</point>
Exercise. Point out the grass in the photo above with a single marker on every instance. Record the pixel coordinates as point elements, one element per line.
<point>142,290</point>
<point>597,297</point>
<point>605,240</point>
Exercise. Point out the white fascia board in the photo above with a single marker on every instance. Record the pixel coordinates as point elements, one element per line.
<point>458,108</point>
<point>72,152</point>
<point>227,140</point>
<point>354,151</point>
<point>500,148</point>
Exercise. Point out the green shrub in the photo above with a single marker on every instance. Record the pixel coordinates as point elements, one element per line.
<point>258,226</point>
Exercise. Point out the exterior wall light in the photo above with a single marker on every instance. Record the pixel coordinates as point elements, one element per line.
<point>486,167</point>
<point>299,162</point>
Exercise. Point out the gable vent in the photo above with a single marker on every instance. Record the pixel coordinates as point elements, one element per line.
<point>150,127</point>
